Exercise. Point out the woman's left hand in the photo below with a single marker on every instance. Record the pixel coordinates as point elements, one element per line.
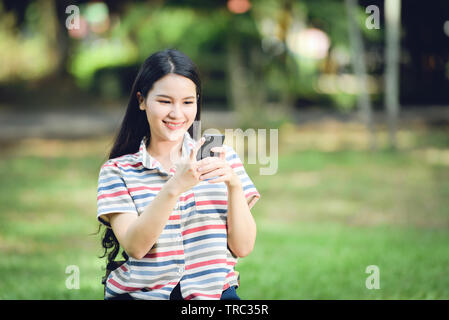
<point>218,167</point>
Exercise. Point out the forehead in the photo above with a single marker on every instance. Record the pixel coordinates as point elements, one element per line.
<point>174,85</point>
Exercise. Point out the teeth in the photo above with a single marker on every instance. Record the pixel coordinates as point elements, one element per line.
<point>174,125</point>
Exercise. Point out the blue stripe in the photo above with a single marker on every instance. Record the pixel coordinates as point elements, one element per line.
<point>156,294</point>
<point>191,204</point>
<point>200,282</point>
<point>112,186</point>
<point>172,226</point>
<point>111,292</point>
<point>101,181</point>
<point>206,236</point>
<point>233,156</point>
<point>155,264</point>
<point>206,245</point>
<point>205,272</point>
<point>143,196</point>
<point>212,211</point>
<point>133,170</point>
<point>247,179</point>
<point>208,186</point>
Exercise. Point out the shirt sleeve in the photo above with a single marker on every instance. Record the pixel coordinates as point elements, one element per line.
<point>249,189</point>
<point>112,193</point>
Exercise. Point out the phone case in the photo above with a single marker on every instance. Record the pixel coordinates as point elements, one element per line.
<point>211,142</point>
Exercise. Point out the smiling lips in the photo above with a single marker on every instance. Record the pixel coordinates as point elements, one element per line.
<point>173,125</point>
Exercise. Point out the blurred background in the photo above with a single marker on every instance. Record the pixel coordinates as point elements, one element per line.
<point>358,91</point>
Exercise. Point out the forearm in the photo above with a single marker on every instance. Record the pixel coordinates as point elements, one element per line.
<point>143,233</point>
<point>241,224</point>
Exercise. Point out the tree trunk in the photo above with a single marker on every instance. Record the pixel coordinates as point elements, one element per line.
<point>392,47</point>
<point>358,65</point>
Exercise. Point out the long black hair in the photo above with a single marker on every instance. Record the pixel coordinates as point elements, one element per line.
<point>135,124</point>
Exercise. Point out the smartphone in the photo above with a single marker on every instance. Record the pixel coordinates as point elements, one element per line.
<point>212,140</point>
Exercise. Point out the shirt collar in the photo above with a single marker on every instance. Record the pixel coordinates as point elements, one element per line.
<point>152,163</point>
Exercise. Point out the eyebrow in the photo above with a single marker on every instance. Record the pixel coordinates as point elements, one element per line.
<point>165,96</point>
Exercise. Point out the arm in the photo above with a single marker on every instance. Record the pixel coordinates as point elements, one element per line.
<point>138,234</point>
<point>241,224</point>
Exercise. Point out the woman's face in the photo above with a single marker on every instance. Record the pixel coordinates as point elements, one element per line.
<point>171,107</point>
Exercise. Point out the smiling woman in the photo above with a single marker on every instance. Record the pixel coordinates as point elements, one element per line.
<point>181,222</point>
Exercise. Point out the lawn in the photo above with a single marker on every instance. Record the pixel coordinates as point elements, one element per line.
<point>324,217</point>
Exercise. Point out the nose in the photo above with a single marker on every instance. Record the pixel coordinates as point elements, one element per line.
<point>176,111</point>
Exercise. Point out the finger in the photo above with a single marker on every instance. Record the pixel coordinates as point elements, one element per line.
<point>218,163</point>
<point>214,173</point>
<point>220,150</point>
<point>195,149</point>
<point>222,178</point>
<point>206,161</point>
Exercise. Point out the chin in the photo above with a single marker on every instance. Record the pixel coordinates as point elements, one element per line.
<point>176,135</point>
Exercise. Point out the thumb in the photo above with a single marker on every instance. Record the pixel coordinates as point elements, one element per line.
<point>195,149</point>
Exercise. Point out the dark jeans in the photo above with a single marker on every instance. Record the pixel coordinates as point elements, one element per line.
<point>228,294</point>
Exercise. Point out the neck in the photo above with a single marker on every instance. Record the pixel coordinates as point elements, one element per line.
<point>162,149</point>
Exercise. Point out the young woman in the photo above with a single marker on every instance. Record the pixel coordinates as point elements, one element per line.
<point>181,223</point>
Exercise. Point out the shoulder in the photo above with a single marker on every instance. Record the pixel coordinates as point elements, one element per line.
<point>122,163</point>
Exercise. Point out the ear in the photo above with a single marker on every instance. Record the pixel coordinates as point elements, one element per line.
<point>140,100</point>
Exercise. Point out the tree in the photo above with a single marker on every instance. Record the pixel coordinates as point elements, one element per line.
<point>392,46</point>
<point>358,64</point>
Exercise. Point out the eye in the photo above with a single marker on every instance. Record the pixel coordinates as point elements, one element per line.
<point>188,102</point>
<point>164,101</point>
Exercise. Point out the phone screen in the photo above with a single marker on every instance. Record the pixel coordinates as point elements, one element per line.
<point>212,140</point>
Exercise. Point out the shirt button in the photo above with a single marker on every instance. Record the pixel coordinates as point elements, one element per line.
<point>181,270</point>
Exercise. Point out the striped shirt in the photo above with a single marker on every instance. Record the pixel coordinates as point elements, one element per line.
<point>192,248</point>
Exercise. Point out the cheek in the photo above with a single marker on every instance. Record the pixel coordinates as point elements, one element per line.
<point>191,113</point>
<point>155,113</point>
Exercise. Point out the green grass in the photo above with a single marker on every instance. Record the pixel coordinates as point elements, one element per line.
<point>322,219</point>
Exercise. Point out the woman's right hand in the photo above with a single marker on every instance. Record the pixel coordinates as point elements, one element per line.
<point>186,175</point>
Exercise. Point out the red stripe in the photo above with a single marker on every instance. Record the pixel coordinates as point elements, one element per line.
<point>218,226</point>
<point>124,268</point>
<point>193,295</point>
<point>206,202</point>
<point>235,165</point>
<point>164,254</point>
<point>144,188</point>
<point>110,195</point>
<point>230,274</point>
<point>138,164</point>
<point>174,217</point>
<point>226,286</point>
<point>124,288</point>
<point>252,193</point>
<point>161,285</point>
<point>205,263</point>
<point>187,197</point>
<point>109,165</point>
